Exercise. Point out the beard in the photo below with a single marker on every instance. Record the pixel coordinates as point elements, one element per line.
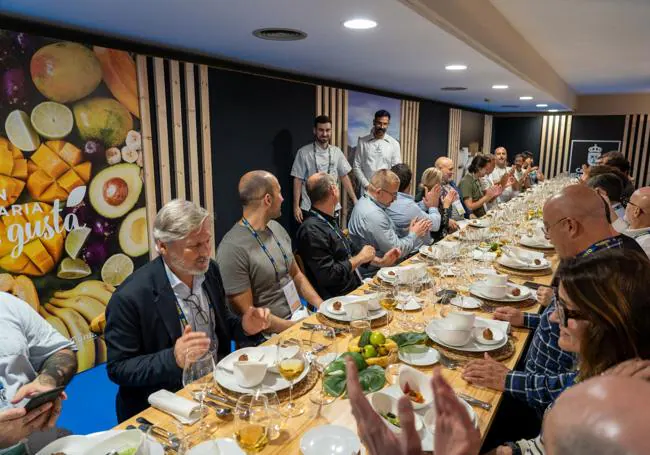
<point>197,267</point>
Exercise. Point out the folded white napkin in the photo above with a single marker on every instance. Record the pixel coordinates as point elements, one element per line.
<point>185,411</point>
<point>483,255</point>
<point>525,255</point>
<point>502,325</point>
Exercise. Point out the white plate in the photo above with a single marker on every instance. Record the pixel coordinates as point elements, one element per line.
<point>421,359</point>
<point>479,223</point>
<point>225,446</point>
<point>533,243</point>
<point>515,264</point>
<point>498,336</point>
<point>330,440</point>
<point>411,305</point>
<point>469,303</point>
<point>273,381</point>
<point>330,307</point>
<point>471,346</point>
<point>477,288</point>
<point>372,315</point>
<point>82,445</point>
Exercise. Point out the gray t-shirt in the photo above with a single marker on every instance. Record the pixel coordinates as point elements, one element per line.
<point>311,159</point>
<point>26,341</point>
<point>244,265</point>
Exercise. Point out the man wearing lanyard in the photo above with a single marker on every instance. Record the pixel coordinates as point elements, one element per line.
<point>331,260</point>
<point>172,305</point>
<point>319,156</point>
<point>255,257</point>
<point>376,151</point>
<point>458,209</point>
<point>637,214</point>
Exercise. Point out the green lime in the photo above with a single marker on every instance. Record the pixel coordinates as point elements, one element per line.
<point>75,240</point>
<point>369,351</point>
<point>73,269</point>
<point>20,132</point>
<point>52,120</point>
<point>377,338</point>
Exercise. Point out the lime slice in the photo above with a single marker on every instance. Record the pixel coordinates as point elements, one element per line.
<point>52,120</point>
<point>20,132</point>
<point>73,269</point>
<point>116,269</point>
<point>75,240</point>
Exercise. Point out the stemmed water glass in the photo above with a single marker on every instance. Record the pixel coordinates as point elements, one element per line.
<point>198,376</point>
<point>323,351</point>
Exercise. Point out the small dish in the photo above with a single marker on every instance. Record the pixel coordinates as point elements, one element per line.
<point>419,355</point>
<point>468,303</point>
<point>411,379</point>
<point>497,335</point>
<point>330,440</point>
<point>331,307</point>
<point>385,405</point>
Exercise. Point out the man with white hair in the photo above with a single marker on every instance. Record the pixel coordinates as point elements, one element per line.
<point>173,305</point>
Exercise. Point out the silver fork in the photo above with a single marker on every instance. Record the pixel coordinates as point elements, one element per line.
<point>447,362</point>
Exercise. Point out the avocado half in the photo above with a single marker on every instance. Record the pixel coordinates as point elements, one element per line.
<point>133,233</point>
<point>127,175</point>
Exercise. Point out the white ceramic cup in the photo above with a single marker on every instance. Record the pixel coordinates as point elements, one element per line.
<point>495,292</point>
<point>460,321</point>
<point>249,374</point>
<point>497,280</point>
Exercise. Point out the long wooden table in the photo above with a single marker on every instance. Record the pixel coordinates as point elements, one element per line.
<point>339,413</point>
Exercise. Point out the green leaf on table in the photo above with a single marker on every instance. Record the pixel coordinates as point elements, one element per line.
<point>414,349</point>
<point>372,379</point>
<point>337,367</point>
<point>409,338</point>
<point>334,385</point>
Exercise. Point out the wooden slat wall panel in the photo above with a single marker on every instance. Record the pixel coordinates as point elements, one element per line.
<point>555,144</point>
<point>636,136</point>
<point>190,135</point>
<point>453,144</point>
<point>410,111</point>
<point>487,133</point>
<point>333,102</point>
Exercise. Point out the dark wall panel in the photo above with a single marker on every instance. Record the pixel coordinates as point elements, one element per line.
<point>517,134</point>
<point>433,134</point>
<point>598,127</point>
<point>471,128</point>
<point>256,123</point>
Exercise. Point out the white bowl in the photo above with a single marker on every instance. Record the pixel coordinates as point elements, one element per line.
<point>497,280</point>
<point>419,381</point>
<point>384,403</point>
<point>249,374</point>
<point>495,292</point>
<point>452,337</point>
<point>124,440</point>
<point>432,414</point>
<point>460,321</point>
<point>373,302</point>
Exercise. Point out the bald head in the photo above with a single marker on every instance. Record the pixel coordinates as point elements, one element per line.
<point>637,211</point>
<point>385,179</point>
<point>319,188</point>
<point>254,185</point>
<point>576,218</point>
<point>604,415</point>
<point>446,166</point>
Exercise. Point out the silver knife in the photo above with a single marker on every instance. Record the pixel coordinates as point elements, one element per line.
<point>226,400</point>
<point>475,401</point>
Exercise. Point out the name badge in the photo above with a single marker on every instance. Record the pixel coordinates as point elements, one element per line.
<point>459,207</point>
<point>291,294</point>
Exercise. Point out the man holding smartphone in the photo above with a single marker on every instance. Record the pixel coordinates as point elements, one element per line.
<point>34,358</point>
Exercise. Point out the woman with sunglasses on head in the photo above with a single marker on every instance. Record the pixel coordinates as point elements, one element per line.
<point>603,309</point>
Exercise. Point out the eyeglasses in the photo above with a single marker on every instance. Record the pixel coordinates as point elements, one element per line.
<point>635,205</point>
<point>393,195</point>
<point>546,230</point>
<point>200,314</point>
<point>564,314</point>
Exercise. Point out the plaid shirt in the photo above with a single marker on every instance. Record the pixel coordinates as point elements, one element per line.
<point>549,369</point>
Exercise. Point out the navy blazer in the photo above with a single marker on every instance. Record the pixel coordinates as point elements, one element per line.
<point>142,325</point>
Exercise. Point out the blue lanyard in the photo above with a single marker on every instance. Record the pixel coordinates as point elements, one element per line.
<point>256,236</point>
<point>612,242</point>
<point>320,217</point>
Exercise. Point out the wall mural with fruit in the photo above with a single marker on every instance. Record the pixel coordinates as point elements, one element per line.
<point>72,218</point>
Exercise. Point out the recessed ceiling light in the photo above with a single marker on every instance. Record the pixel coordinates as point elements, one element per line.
<point>525,98</point>
<point>500,87</point>
<point>541,105</point>
<point>456,67</point>
<point>360,24</point>
<point>552,110</point>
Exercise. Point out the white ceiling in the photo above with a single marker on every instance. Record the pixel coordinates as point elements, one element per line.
<point>405,53</point>
<point>596,46</point>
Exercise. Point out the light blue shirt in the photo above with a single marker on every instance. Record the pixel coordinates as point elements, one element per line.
<point>370,221</point>
<point>404,209</point>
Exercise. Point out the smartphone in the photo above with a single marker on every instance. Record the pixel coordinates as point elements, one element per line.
<point>42,398</point>
<point>532,285</point>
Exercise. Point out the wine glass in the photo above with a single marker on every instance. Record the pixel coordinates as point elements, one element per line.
<point>388,301</point>
<point>291,364</point>
<point>198,376</point>
<point>323,352</point>
<point>252,423</point>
